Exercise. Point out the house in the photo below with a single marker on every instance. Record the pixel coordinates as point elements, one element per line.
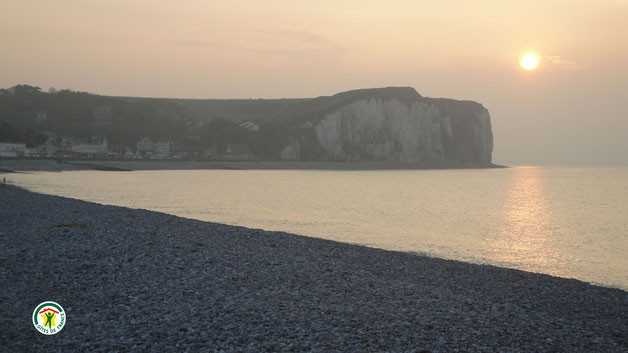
<point>145,145</point>
<point>163,149</point>
<point>63,146</point>
<point>48,148</point>
<point>35,152</point>
<point>102,116</point>
<point>128,154</point>
<point>115,150</point>
<point>92,147</point>
<point>8,149</point>
<point>236,151</point>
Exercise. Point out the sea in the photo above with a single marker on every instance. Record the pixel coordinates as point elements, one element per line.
<point>564,221</point>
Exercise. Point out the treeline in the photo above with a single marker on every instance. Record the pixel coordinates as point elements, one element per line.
<point>71,113</point>
<point>9,133</point>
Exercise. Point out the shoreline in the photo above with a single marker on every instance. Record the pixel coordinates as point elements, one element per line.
<point>22,165</point>
<point>132,279</point>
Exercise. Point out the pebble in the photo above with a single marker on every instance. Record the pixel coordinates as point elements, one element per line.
<point>144,281</point>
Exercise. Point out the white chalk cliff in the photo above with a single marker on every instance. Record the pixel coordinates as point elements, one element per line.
<point>396,125</point>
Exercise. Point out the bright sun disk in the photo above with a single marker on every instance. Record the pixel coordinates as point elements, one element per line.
<point>529,61</point>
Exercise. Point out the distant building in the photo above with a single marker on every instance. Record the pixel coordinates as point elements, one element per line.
<point>41,117</point>
<point>236,151</point>
<point>249,126</point>
<point>92,147</point>
<point>163,149</point>
<point>8,149</point>
<point>115,150</point>
<point>145,145</point>
<point>63,146</point>
<point>33,152</point>
<point>48,148</point>
<point>128,154</point>
<point>102,116</point>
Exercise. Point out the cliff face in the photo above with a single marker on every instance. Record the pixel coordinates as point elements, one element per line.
<point>395,125</point>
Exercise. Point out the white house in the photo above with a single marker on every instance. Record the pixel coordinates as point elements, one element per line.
<point>93,147</point>
<point>162,149</point>
<point>8,149</point>
<point>144,145</point>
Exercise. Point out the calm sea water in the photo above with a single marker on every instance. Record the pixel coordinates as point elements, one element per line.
<point>568,222</point>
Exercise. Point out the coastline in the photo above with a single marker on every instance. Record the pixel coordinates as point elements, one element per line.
<point>132,279</point>
<point>23,165</point>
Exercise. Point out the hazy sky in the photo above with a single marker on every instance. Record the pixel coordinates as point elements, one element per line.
<point>572,109</point>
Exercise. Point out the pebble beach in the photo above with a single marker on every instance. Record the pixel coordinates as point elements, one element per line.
<point>136,280</point>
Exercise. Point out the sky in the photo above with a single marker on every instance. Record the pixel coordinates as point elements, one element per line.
<point>572,109</point>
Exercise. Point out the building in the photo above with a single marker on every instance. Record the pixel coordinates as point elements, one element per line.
<point>144,145</point>
<point>163,149</point>
<point>102,116</point>
<point>8,149</point>
<point>49,148</point>
<point>149,149</point>
<point>92,147</point>
<point>35,152</point>
<point>128,154</point>
<point>63,146</point>
<point>236,151</point>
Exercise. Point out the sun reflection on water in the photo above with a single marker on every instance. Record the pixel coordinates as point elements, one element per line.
<point>526,238</point>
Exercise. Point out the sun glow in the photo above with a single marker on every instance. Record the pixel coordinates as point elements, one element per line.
<point>529,61</point>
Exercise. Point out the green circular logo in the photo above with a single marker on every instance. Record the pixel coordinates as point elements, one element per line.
<point>49,318</point>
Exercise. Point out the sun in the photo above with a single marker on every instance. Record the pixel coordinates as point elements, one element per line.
<point>529,61</point>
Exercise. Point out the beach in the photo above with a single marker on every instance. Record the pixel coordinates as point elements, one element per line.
<point>136,280</point>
